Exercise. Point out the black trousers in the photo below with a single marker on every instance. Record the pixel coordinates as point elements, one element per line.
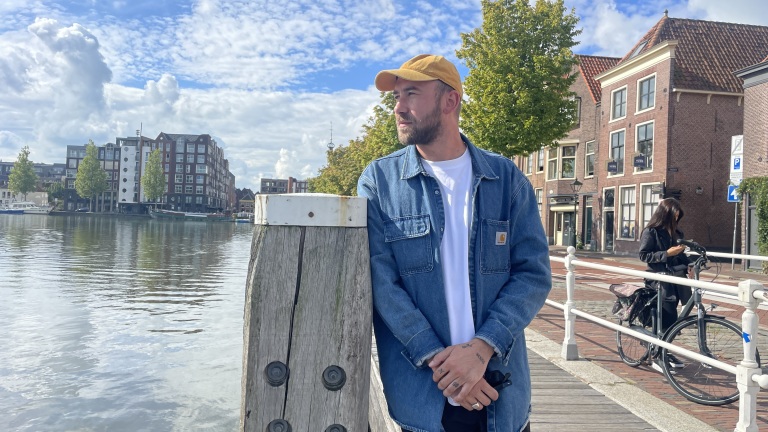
<point>670,295</point>
<point>457,419</point>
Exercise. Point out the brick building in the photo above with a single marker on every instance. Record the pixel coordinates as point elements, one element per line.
<point>755,141</point>
<point>109,159</point>
<point>664,122</point>
<point>282,186</point>
<point>197,174</point>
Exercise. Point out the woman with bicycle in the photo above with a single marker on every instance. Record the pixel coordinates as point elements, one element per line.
<point>659,249</point>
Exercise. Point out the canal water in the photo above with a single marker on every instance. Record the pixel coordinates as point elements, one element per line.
<point>110,324</point>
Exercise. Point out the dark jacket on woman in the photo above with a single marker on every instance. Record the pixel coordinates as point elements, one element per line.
<point>654,243</point>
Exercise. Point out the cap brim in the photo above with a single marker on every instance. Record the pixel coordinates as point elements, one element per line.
<point>385,80</point>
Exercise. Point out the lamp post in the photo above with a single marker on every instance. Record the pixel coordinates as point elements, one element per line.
<point>575,186</point>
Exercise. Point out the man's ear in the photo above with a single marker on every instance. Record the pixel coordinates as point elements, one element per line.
<point>451,101</point>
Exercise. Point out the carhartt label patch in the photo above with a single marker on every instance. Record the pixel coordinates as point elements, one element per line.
<point>501,238</point>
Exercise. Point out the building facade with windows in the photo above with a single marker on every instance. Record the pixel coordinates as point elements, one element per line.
<point>283,186</point>
<point>664,116</point>
<point>552,170</point>
<point>109,159</point>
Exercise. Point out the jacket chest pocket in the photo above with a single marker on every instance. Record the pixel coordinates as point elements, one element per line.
<point>494,246</point>
<point>409,237</point>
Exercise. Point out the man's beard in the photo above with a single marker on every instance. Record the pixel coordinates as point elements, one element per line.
<point>421,132</point>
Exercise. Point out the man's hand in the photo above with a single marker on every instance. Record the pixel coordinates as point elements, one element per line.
<point>458,368</point>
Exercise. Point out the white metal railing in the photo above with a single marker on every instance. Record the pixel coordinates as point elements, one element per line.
<point>749,294</point>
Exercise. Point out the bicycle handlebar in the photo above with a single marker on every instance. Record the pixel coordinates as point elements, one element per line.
<point>693,245</point>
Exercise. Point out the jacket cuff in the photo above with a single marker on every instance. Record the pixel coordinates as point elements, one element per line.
<point>423,346</point>
<point>499,338</point>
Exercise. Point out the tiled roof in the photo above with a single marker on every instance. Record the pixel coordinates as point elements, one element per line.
<point>590,66</point>
<point>708,52</point>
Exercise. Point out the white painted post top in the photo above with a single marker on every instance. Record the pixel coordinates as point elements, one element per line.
<point>308,209</point>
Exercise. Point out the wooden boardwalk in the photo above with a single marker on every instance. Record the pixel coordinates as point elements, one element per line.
<point>563,403</point>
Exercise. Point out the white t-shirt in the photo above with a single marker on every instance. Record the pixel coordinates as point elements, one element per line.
<point>455,179</point>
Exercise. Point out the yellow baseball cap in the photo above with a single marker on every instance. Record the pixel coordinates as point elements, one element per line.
<point>424,67</point>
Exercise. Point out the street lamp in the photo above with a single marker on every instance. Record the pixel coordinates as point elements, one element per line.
<point>575,186</point>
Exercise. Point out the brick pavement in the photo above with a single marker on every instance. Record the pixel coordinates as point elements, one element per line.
<point>598,344</point>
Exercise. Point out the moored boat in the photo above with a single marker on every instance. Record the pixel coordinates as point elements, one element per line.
<point>189,216</point>
<point>29,208</point>
<point>6,210</point>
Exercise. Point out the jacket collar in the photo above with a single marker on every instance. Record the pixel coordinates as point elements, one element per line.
<point>413,167</point>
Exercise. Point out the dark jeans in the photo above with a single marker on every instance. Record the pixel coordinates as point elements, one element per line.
<point>671,294</point>
<point>457,419</point>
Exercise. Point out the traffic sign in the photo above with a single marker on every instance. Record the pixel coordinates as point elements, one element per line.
<point>733,196</point>
<point>737,158</point>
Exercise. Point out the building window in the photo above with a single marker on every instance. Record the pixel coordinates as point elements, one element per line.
<point>201,159</point>
<point>188,189</point>
<point>577,113</point>
<point>589,159</point>
<point>646,92</point>
<point>189,168</point>
<point>569,161</point>
<point>627,209</point>
<point>529,164</point>
<point>189,179</point>
<point>179,168</point>
<point>177,189</point>
<point>552,164</point>
<point>540,161</point>
<point>202,169</point>
<point>190,148</point>
<point>199,179</point>
<point>201,148</point>
<point>539,195</point>
<point>179,157</point>
<point>179,178</point>
<point>619,104</point>
<point>617,151</point>
<point>199,200</point>
<point>190,158</point>
<point>650,196</point>
<point>167,167</point>
<point>199,190</point>
<point>645,144</point>
<point>188,199</point>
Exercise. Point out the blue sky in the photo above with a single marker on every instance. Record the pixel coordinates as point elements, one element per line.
<point>265,78</point>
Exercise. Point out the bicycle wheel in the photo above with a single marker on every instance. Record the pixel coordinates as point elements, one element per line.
<point>697,381</point>
<point>632,350</point>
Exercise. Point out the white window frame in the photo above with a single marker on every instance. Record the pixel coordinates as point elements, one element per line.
<point>652,105</point>
<point>562,158</point>
<point>539,192</point>
<point>540,160</point>
<point>637,146</point>
<point>648,201</point>
<point>610,152</point>
<point>587,154</point>
<point>529,164</point>
<point>550,174</point>
<point>627,207</point>
<point>613,97</point>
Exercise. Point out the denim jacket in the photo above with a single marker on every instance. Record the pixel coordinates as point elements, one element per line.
<point>509,280</point>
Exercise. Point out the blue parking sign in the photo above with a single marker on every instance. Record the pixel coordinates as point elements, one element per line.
<point>733,196</point>
<point>736,163</point>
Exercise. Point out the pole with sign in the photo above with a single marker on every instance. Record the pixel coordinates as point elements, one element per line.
<point>737,173</point>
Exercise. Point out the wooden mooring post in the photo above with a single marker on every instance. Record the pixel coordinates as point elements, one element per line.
<point>307,331</point>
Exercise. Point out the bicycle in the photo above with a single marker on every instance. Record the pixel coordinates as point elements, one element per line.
<point>720,339</point>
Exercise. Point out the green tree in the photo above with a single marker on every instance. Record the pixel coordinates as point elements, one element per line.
<point>345,164</point>
<point>55,192</point>
<point>153,179</point>
<point>22,178</point>
<point>91,180</point>
<point>520,69</point>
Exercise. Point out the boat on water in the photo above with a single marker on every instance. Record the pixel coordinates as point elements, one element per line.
<point>25,207</point>
<point>188,216</point>
<point>244,217</point>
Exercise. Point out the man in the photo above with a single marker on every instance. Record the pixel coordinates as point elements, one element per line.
<point>459,264</point>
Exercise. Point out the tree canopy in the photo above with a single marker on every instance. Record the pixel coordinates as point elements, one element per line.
<point>22,178</point>
<point>520,69</point>
<point>346,163</point>
<point>153,179</point>
<point>91,179</point>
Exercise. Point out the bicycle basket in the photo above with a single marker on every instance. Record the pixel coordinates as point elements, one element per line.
<point>633,303</point>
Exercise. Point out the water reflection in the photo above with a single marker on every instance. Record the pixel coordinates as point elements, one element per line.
<point>120,324</point>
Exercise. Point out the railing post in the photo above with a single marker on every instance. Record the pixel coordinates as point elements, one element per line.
<point>748,367</point>
<point>570,351</point>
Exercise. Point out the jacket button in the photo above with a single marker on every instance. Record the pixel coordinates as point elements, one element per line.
<point>437,192</point>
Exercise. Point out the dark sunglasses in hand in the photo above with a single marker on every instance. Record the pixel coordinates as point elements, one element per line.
<point>498,380</point>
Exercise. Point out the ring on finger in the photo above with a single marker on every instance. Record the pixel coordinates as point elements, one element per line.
<point>477,406</point>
